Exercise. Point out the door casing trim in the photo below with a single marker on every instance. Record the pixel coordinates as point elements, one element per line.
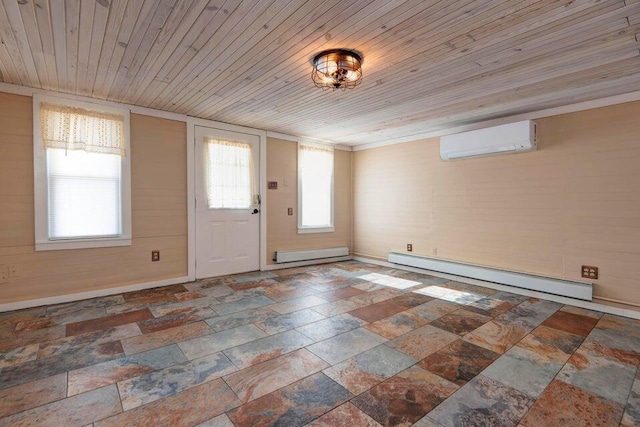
<point>192,122</point>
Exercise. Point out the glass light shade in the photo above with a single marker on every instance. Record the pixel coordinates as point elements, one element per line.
<point>337,69</point>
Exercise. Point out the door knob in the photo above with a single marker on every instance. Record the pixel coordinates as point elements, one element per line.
<point>255,211</point>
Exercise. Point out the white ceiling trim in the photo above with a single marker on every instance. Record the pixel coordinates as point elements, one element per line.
<point>555,111</point>
<point>29,91</point>
<point>292,138</point>
<point>565,109</point>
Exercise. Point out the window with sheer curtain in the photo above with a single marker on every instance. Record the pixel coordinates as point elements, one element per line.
<point>82,176</point>
<point>315,188</point>
<point>229,174</point>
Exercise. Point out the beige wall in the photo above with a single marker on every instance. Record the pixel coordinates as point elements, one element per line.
<point>282,230</point>
<point>574,201</point>
<point>159,213</point>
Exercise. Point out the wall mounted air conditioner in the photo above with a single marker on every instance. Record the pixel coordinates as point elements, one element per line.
<point>510,138</point>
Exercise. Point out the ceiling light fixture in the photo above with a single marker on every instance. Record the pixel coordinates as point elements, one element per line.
<point>337,69</point>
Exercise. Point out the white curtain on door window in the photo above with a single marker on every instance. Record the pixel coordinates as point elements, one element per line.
<point>316,180</point>
<point>72,128</point>
<point>229,174</point>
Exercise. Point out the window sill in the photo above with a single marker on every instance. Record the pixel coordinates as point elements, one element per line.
<point>54,245</point>
<point>309,230</point>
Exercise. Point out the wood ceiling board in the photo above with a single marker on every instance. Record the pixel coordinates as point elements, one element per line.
<point>427,65</point>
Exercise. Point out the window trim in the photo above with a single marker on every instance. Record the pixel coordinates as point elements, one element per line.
<point>41,190</point>
<point>314,229</point>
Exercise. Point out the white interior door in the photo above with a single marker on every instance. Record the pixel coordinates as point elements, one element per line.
<point>227,202</point>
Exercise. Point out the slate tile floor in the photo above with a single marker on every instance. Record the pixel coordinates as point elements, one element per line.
<point>344,344</point>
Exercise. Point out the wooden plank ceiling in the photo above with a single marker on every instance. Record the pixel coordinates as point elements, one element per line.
<point>428,65</point>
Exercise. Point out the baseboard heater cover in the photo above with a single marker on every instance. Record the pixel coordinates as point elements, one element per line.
<point>310,254</point>
<point>568,288</point>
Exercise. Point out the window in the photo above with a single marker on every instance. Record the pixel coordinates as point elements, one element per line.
<point>315,188</point>
<point>229,174</point>
<point>82,175</point>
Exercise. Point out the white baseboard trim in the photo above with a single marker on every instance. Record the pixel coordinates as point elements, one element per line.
<point>618,311</point>
<point>270,267</point>
<point>60,299</point>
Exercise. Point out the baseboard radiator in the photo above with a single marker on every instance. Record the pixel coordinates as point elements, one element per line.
<point>567,288</point>
<point>310,254</point>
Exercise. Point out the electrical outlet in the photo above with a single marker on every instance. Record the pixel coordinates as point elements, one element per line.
<point>13,270</point>
<point>155,256</point>
<point>409,247</point>
<point>589,272</point>
<point>290,211</point>
<point>4,274</point>
<point>434,251</point>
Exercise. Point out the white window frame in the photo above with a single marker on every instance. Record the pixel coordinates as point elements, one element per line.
<point>312,229</point>
<point>41,190</point>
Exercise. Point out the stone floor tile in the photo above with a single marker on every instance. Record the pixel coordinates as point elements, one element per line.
<point>459,362</point>
<point>240,318</point>
<point>618,333</point>
<point>427,421</point>
<point>140,343</point>
<point>529,314</point>
<point>334,308</point>
<point>599,374</point>
<point>398,324</point>
<point>483,402</point>
<point>572,323</point>
<point>187,315</point>
<point>345,415</point>
<point>551,344</point>
<point>285,322</point>
<point>423,341</point>
<point>523,370</point>
<point>75,343</point>
<point>374,297</point>
<point>13,341</point>
<point>257,380</point>
<point>114,371</point>
<point>359,373</point>
<point>582,311</point>
<point>341,347</point>
<point>266,348</point>
<point>185,409</point>
<point>404,398</point>
<point>242,305</point>
<point>18,355</point>
<point>562,404</point>
<point>496,336</point>
<point>631,415</point>
<point>78,410</point>
<point>218,341</point>
<point>452,295</point>
<point>330,327</point>
<point>156,385</point>
<point>491,307</point>
<point>106,322</point>
<point>338,294</point>
<point>461,322</point>
<point>182,306</point>
<point>59,363</point>
<point>30,395</point>
<point>35,324</point>
<point>377,311</point>
<point>294,405</point>
<point>298,304</point>
<point>219,421</point>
